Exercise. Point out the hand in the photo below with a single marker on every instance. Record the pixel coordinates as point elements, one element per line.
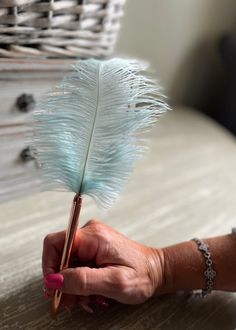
<point>113,266</point>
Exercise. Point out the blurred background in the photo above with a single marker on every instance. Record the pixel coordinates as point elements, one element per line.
<point>191,44</point>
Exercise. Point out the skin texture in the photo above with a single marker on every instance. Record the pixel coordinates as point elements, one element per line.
<point>111,265</point>
<point>106,263</point>
<point>185,264</point>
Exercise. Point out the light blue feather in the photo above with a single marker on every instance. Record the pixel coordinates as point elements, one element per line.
<point>87,130</point>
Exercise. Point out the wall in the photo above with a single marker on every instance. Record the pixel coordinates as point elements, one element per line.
<point>178,37</point>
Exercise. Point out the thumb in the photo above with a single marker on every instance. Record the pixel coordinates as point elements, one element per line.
<point>87,281</point>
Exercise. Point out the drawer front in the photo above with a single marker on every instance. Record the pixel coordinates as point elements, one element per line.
<point>19,94</point>
<point>18,169</point>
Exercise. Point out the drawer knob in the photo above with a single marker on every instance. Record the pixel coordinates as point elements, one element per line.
<point>25,102</point>
<point>26,155</point>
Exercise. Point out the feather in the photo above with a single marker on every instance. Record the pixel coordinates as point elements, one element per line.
<point>87,131</point>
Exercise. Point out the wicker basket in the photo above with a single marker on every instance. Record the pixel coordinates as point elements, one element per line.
<point>58,28</point>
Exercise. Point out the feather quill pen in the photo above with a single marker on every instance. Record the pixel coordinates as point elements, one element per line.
<point>87,133</point>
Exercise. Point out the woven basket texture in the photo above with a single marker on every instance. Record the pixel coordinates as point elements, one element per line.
<point>59,28</point>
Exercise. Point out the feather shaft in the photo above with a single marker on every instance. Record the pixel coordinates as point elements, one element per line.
<point>92,130</point>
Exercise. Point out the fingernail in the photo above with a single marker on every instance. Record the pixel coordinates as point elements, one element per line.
<point>102,302</point>
<point>54,281</point>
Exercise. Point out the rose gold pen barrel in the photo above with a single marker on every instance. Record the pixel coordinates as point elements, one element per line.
<point>70,235</point>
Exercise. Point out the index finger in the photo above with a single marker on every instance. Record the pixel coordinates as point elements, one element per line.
<point>85,247</point>
<point>52,251</point>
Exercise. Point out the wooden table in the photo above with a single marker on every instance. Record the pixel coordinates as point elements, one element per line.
<point>185,187</point>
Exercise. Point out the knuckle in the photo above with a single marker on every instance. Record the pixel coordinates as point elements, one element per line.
<point>121,282</point>
<point>54,239</point>
<point>48,239</point>
<point>97,227</point>
<point>100,230</point>
<point>93,222</point>
<point>145,294</point>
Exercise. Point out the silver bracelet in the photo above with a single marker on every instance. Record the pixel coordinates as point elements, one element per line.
<point>209,273</point>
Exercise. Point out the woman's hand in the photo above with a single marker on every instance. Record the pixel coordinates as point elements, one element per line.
<point>111,265</point>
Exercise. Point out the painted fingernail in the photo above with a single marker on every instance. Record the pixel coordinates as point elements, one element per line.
<point>102,302</point>
<point>54,281</point>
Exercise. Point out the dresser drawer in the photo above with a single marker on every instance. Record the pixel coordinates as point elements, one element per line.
<point>21,86</point>
<point>19,93</point>
<point>18,170</point>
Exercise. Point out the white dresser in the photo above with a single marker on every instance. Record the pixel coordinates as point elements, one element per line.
<point>22,82</point>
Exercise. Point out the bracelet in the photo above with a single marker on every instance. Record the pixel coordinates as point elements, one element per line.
<point>209,273</point>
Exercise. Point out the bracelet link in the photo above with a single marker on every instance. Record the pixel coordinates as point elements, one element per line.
<point>209,273</point>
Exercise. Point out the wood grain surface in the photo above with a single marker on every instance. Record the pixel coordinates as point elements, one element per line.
<point>184,188</point>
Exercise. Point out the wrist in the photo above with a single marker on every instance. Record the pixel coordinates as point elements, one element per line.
<point>168,273</point>
<point>161,271</point>
<point>183,266</point>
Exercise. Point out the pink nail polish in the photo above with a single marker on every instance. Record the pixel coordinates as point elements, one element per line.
<point>102,302</point>
<point>54,281</point>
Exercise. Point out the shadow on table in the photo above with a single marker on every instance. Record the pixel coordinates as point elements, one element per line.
<point>27,309</point>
